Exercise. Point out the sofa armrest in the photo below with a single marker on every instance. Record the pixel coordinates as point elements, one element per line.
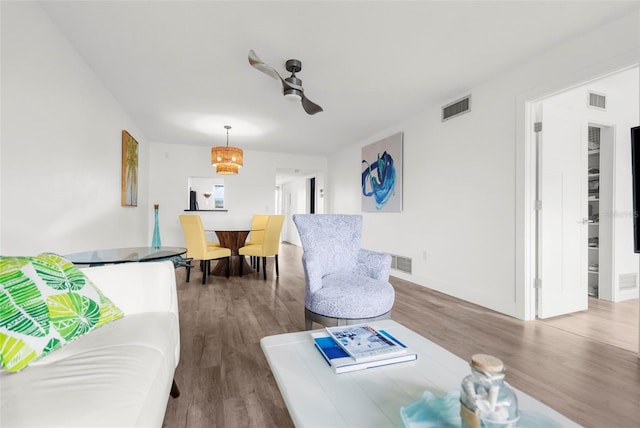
<point>137,287</point>
<point>373,264</point>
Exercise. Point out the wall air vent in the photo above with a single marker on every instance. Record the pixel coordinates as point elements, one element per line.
<point>456,108</point>
<point>597,101</point>
<point>627,281</point>
<point>401,263</point>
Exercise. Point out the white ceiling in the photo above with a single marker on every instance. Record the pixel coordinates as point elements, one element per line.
<point>180,68</point>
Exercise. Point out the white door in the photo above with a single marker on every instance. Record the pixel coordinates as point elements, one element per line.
<point>562,224</point>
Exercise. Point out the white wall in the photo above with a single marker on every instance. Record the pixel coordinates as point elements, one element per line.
<point>61,146</point>
<point>457,204</point>
<point>251,191</point>
<point>464,187</point>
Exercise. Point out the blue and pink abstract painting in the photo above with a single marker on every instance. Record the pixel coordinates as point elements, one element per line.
<point>382,175</point>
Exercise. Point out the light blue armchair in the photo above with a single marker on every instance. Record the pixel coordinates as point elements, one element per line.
<point>345,284</point>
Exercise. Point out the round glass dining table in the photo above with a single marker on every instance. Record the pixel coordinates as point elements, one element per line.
<point>124,255</point>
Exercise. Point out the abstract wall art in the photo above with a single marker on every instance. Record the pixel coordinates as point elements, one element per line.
<point>382,175</point>
<point>129,170</point>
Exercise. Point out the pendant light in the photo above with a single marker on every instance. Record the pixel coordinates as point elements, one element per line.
<point>226,159</point>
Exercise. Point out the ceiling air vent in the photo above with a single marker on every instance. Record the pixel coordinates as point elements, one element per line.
<point>597,101</point>
<point>456,108</point>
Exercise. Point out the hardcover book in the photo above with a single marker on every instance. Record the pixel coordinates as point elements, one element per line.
<point>341,362</point>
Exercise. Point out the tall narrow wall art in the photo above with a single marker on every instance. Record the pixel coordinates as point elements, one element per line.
<point>129,170</point>
<point>382,175</point>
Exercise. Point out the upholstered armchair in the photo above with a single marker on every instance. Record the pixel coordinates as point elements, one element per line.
<point>345,284</point>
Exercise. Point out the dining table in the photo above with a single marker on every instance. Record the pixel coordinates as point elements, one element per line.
<point>125,255</point>
<point>232,239</point>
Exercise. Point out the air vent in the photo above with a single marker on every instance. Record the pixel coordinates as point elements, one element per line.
<point>597,101</point>
<point>401,263</point>
<point>627,281</point>
<point>456,108</point>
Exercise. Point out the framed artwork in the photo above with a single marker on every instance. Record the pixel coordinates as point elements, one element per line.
<point>381,177</point>
<point>129,170</point>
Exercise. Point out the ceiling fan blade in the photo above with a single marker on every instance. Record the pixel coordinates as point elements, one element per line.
<point>309,106</point>
<point>259,65</point>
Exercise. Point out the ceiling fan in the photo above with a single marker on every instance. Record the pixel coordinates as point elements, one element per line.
<point>291,86</point>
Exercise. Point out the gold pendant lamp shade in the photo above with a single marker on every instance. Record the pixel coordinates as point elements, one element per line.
<point>226,159</point>
<point>227,168</point>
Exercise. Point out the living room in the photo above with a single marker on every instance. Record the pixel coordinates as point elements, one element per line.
<point>465,197</point>
<point>69,164</point>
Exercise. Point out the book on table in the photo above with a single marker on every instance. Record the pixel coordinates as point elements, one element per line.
<point>365,343</point>
<point>341,362</point>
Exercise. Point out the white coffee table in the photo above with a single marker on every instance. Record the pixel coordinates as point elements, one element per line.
<point>317,397</point>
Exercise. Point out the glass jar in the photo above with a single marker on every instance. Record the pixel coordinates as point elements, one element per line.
<point>486,400</point>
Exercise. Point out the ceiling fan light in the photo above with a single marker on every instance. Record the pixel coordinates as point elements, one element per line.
<point>291,86</point>
<point>292,94</point>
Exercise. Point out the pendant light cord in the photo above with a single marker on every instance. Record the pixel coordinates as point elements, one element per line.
<point>227,127</point>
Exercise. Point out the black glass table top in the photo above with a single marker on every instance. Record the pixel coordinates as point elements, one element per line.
<point>124,255</point>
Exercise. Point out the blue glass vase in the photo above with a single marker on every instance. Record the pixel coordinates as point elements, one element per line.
<point>155,242</point>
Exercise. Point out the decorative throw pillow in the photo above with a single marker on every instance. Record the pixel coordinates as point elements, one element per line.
<point>46,302</point>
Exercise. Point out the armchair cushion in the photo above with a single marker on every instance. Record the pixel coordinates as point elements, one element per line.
<point>346,295</point>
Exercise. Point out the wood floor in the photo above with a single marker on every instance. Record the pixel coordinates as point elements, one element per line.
<point>226,382</point>
<point>613,323</point>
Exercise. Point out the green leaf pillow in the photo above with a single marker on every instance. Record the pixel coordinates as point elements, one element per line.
<point>45,302</point>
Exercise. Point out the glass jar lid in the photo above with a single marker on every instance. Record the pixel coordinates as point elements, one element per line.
<point>487,363</point>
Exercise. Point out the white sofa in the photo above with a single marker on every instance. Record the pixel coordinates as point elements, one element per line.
<point>119,375</point>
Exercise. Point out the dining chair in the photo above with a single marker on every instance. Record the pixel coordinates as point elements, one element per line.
<point>198,248</point>
<point>269,247</point>
<point>344,283</point>
<point>256,237</point>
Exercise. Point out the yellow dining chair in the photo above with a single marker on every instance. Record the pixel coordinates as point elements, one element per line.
<point>198,248</point>
<point>258,226</point>
<point>269,246</point>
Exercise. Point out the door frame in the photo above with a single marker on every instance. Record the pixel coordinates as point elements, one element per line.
<point>525,245</point>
